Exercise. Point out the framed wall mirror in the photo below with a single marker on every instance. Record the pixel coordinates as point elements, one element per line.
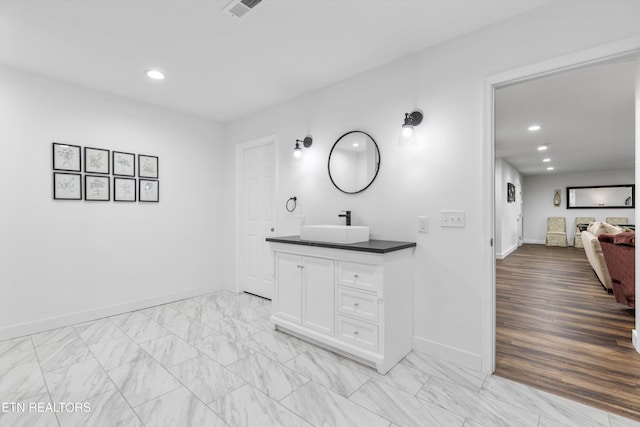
<point>601,197</point>
<point>354,162</point>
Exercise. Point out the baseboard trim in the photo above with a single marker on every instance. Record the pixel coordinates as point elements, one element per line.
<point>506,253</point>
<point>544,242</point>
<point>634,339</point>
<point>451,354</point>
<point>535,242</point>
<point>42,325</point>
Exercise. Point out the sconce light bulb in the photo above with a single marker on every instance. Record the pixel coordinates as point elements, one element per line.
<point>407,131</point>
<point>155,74</point>
<point>297,152</point>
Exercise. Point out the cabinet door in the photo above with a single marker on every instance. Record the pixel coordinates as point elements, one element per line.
<point>318,295</point>
<point>288,287</point>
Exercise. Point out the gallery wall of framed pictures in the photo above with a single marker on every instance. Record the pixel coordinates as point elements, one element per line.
<point>108,174</point>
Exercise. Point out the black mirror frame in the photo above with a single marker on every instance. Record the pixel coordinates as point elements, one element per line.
<point>377,166</point>
<point>633,197</point>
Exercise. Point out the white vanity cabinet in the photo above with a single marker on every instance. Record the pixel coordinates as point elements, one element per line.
<point>354,299</point>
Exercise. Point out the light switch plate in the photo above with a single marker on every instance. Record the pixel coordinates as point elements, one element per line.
<point>452,219</point>
<point>423,224</point>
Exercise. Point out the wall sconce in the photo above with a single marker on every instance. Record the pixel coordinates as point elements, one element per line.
<point>408,134</point>
<point>297,151</point>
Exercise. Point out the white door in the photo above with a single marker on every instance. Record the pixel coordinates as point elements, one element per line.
<point>318,301</point>
<point>258,193</point>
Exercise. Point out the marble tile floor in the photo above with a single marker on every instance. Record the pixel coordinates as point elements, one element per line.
<point>214,360</point>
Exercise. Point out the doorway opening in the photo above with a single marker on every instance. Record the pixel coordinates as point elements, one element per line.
<point>537,275</point>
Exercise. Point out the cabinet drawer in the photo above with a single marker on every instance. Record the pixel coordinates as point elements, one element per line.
<point>358,304</point>
<point>362,276</point>
<point>356,332</point>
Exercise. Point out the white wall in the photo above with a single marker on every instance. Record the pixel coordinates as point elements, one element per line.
<point>538,200</point>
<point>68,261</point>
<point>445,171</point>
<point>507,228</point>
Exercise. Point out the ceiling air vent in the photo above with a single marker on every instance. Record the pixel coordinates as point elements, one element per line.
<point>240,8</point>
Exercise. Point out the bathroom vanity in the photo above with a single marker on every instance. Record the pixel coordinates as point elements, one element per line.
<point>355,299</point>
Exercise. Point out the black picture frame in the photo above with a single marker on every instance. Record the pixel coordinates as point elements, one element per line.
<point>97,188</point>
<point>97,160</point>
<point>148,190</point>
<point>148,166</point>
<point>67,186</point>
<point>511,193</point>
<point>66,157</point>
<point>123,164</point>
<point>124,189</point>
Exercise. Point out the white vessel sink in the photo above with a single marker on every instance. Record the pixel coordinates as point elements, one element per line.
<point>335,233</point>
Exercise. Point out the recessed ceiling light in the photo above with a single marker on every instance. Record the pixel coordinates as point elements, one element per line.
<point>355,144</point>
<point>550,168</point>
<point>154,74</point>
<point>546,160</point>
<point>534,128</point>
<point>542,147</point>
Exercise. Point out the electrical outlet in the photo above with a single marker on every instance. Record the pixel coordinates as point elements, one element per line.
<point>452,219</point>
<point>423,224</point>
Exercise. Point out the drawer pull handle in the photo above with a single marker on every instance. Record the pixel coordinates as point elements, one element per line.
<point>355,304</point>
<point>355,332</point>
<point>355,276</point>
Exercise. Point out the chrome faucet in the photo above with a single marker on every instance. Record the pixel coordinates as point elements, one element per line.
<point>346,215</point>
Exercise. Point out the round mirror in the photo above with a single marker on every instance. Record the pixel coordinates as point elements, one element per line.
<point>354,162</point>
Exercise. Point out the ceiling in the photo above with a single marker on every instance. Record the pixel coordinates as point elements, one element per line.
<point>587,119</point>
<point>220,67</point>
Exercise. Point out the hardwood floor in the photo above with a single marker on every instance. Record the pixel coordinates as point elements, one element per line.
<point>558,330</point>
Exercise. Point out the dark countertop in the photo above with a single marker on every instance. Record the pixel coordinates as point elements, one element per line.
<point>375,246</point>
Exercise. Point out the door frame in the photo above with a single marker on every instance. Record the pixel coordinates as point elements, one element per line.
<point>239,155</point>
<point>604,53</point>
